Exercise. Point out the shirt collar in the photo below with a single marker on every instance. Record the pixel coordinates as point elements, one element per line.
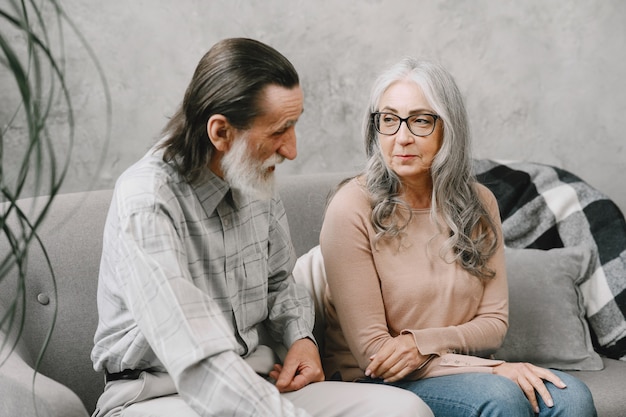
<point>211,190</point>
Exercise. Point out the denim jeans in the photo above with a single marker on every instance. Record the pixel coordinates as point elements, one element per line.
<point>488,395</point>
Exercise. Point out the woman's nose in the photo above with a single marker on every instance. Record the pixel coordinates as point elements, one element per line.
<point>404,135</point>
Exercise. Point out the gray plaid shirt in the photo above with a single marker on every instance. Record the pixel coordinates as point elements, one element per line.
<point>188,276</point>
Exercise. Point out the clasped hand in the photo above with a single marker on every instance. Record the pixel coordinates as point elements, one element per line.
<point>396,359</point>
<point>301,367</point>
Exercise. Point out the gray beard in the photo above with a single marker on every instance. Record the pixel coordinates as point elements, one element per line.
<point>246,174</point>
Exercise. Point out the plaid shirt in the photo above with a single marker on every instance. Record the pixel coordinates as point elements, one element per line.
<point>189,274</point>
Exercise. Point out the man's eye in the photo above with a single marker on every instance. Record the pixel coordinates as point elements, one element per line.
<point>280,132</point>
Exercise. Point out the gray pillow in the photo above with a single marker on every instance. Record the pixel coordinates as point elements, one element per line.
<point>547,325</point>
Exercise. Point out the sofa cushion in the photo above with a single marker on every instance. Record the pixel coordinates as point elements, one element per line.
<point>547,324</point>
<point>305,197</point>
<point>310,273</point>
<point>607,387</point>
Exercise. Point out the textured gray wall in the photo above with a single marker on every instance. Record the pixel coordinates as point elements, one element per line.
<point>543,80</point>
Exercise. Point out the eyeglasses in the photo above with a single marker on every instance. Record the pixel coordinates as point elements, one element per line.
<point>418,124</point>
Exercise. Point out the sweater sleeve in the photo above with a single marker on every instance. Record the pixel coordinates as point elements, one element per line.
<point>484,333</point>
<point>355,292</point>
<point>354,287</point>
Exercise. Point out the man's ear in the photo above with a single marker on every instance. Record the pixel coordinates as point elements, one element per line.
<point>220,132</point>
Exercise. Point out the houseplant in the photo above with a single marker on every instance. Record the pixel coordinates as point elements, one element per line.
<point>37,134</point>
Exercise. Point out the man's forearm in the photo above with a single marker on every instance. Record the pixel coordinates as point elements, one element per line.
<point>225,384</point>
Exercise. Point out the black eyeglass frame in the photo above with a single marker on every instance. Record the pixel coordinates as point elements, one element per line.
<point>405,120</point>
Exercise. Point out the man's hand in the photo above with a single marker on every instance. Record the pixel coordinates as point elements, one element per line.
<point>530,379</point>
<point>396,359</point>
<point>302,366</point>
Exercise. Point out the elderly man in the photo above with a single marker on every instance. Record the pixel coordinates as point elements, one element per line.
<point>195,279</point>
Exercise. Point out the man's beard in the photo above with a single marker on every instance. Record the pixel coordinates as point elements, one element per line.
<point>247,174</point>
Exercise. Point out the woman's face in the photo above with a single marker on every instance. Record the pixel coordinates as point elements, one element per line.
<point>408,155</point>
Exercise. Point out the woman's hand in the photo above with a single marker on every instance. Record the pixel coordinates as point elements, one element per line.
<point>396,359</point>
<point>530,378</point>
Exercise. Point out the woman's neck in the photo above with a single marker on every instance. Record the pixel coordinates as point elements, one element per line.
<point>418,194</point>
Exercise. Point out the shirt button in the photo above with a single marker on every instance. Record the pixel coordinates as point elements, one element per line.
<point>226,222</point>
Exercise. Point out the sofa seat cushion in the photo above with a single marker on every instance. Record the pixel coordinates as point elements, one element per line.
<point>607,387</point>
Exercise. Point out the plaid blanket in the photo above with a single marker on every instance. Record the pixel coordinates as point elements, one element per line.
<point>545,207</point>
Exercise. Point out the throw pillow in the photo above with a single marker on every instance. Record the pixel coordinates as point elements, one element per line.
<point>547,325</point>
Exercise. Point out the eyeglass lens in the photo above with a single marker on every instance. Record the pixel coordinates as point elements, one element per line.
<point>418,124</point>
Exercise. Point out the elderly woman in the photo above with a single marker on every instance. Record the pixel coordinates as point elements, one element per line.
<point>414,257</point>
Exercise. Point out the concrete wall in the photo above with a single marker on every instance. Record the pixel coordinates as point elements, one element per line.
<point>543,80</point>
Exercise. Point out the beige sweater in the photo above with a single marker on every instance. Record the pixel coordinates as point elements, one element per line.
<point>375,295</point>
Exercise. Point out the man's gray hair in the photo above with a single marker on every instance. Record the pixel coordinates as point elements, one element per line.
<point>228,80</point>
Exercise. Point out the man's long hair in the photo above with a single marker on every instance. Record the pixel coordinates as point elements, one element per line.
<point>228,80</point>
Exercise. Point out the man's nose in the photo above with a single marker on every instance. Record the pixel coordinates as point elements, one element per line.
<point>288,149</point>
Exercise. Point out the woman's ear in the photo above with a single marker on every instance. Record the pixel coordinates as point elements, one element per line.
<point>220,132</point>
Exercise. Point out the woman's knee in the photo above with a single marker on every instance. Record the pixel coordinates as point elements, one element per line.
<point>574,400</point>
<point>505,398</point>
<point>472,394</point>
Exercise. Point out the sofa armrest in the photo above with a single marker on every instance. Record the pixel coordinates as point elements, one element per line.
<point>46,398</point>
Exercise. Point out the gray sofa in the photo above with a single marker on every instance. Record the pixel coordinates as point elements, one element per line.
<point>66,384</point>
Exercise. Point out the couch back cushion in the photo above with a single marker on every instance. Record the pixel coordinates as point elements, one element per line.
<point>72,237</point>
<point>305,198</point>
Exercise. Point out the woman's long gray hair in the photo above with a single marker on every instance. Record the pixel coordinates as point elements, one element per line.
<point>473,237</point>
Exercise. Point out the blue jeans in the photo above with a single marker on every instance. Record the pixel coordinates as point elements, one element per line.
<point>488,395</point>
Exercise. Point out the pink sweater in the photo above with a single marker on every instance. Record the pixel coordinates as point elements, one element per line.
<point>376,294</point>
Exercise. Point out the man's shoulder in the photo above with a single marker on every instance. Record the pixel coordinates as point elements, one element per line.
<point>148,182</point>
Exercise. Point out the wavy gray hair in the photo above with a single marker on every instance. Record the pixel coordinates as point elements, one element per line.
<point>473,237</point>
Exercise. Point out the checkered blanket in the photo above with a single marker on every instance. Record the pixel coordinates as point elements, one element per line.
<point>546,207</point>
